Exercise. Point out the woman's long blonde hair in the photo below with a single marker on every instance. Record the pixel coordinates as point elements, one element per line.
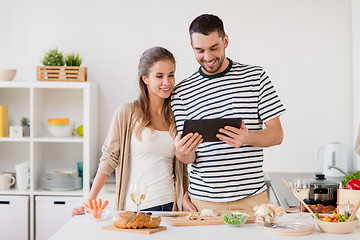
<point>142,111</point>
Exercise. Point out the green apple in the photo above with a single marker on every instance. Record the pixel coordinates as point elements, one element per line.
<point>80,130</point>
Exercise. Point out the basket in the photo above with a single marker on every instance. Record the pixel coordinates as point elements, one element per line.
<point>61,73</point>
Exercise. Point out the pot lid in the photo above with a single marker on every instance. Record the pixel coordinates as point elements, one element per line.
<point>321,180</point>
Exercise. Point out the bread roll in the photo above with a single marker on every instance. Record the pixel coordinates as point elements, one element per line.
<point>153,223</point>
<point>121,219</point>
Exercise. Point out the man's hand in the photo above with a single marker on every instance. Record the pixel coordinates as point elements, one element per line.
<point>233,136</point>
<point>187,204</point>
<point>185,147</point>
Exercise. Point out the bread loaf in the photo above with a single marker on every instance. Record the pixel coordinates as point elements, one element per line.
<point>131,220</point>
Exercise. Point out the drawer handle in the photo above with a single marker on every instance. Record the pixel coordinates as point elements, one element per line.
<point>4,202</point>
<point>59,202</point>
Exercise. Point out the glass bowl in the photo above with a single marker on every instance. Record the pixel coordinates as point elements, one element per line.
<point>97,215</point>
<point>235,219</point>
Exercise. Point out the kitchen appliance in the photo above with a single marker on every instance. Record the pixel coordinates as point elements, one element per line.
<point>322,191</point>
<point>334,159</point>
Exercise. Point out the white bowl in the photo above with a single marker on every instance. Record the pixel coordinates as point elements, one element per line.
<point>7,74</point>
<point>60,130</point>
<point>337,227</point>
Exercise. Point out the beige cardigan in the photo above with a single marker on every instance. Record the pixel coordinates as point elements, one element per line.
<point>116,152</point>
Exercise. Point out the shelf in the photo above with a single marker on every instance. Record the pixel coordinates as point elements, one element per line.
<point>65,140</point>
<point>39,101</point>
<point>41,192</point>
<point>8,139</point>
<point>14,191</point>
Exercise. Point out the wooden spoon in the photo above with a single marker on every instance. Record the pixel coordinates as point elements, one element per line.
<point>299,198</point>
<point>354,212</point>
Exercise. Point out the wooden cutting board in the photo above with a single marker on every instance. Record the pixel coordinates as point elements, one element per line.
<point>142,230</point>
<point>217,220</point>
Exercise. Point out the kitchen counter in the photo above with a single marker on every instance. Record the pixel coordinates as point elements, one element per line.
<point>80,227</point>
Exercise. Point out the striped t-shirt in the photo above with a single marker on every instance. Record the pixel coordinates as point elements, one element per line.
<point>222,173</point>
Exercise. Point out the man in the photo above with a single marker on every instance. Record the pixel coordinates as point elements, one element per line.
<point>226,174</point>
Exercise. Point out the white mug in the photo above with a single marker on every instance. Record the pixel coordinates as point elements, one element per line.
<point>6,181</point>
<point>22,176</point>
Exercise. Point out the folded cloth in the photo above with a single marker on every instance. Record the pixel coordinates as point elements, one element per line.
<point>357,143</point>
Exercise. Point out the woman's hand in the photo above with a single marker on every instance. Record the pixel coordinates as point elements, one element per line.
<point>185,147</point>
<point>77,211</point>
<point>187,204</point>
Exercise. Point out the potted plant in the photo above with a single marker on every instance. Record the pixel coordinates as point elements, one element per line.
<point>53,58</point>
<point>25,123</point>
<point>54,68</point>
<point>73,60</point>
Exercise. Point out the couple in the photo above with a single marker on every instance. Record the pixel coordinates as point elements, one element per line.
<point>144,141</point>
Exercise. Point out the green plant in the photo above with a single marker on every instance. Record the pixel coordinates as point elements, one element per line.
<point>53,58</point>
<point>73,60</point>
<point>25,122</point>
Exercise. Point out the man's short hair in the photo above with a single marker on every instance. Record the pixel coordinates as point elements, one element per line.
<point>205,24</point>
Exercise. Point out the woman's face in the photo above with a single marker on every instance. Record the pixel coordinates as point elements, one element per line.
<point>161,79</point>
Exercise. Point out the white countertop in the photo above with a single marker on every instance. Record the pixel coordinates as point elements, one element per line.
<point>80,227</point>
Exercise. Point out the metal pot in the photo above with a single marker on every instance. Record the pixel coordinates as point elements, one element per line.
<point>322,191</point>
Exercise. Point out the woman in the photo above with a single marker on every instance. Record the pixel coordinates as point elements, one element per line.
<point>139,144</point>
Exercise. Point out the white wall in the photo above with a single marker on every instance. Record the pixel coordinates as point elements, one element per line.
<point>304,45</point>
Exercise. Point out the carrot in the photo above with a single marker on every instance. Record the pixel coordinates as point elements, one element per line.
<point>90,204</point>
<point>95,204</point>
<point>104,205</point>
<point>85,206</point>
<point>99,204</point>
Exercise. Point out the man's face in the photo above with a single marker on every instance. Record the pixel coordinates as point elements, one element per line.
<point>210,51</point>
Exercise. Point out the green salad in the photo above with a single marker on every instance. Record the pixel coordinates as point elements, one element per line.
<point>235,218</point>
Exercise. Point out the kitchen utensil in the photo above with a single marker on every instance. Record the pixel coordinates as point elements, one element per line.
<point>334,159</point>
<point>353,214</point>
<point>289,229</point>
<point>322,191</point>
<point>337,227</point>
<point>7,74</point>
<point>60,127</point>
<point>299,198</point>
<point>6,181</point>
<point>141,230</point>
<point>103,214</point>
<point>301,186</point>
<point>235,219</point>
<point>23,175</point>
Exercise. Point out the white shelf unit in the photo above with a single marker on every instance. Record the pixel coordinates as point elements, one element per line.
<point>39,101</point>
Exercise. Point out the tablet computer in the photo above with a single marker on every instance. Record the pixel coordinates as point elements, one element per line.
<point>208,128</point>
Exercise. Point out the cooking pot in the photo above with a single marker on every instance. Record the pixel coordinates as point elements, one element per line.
<point>322,191</point>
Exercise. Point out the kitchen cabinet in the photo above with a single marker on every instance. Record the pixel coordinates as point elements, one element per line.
<point>54,210</point>
<point>40,101</point>
<point>14,217</point>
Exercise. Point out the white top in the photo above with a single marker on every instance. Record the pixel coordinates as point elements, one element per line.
<point>151,161</point>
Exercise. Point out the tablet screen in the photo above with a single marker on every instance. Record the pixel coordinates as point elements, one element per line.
<point>208,128</point>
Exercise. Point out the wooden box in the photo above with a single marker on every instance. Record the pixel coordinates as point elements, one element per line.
<point>346,195</point>
<point>61,73</point>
